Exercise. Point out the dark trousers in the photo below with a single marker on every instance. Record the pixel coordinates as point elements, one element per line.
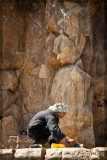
<point>41,135</point>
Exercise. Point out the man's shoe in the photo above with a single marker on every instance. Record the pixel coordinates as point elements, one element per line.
<point>36,146</point>
<point>79,145</point>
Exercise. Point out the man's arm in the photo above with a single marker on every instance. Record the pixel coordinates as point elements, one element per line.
<point>56,133</point>
<point>54,129</point>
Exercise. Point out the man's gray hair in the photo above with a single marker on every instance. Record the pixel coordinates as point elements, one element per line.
<point>59,107</point>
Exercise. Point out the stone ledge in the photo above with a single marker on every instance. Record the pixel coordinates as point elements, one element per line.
<point>102,152</point>
<point>70,154</point>
<point>17,142</point>
<point>7,154</point>
<point>98,153</point>
<point>30,154</point>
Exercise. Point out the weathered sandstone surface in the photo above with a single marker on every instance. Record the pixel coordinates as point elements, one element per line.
<point>73,86</point>
<point>53,51</point>
<point>99,153</point>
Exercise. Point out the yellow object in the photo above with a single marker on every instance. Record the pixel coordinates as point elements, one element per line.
<point>55,145</point>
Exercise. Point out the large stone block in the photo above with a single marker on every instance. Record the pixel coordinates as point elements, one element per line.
<point>31,86</point>
<point>54,24</point>
<point>16,112</point>
<point>16,142</point>
<point>53,154</point>
<point>100,110</point>
<point>44,72</point>
<point>51,56</point>
<point>25,141</point>
<point>11,37</point>
<point>35,29</point>
<point>102,152</point>
<point>30,154</point>
<point>6,154</point>
<point>73,87</point>
<point>13,142</point>
<point>76,153</point>
<point>79,64</point>
<point>6,99</point>
<point>72,19</point>
<point>8,80</point>
<point>34,90</point>
<point>98,153</point>
<point>9,127</point>
<point>66,51</point>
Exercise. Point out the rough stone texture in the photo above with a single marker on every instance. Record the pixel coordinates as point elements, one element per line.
<point>73,86</point>
<point>34,75</point>
<point>33,91</point>
<point>12,37</point>
<point>13,142</point>
<point>99,72</point>
<point>6,99</point>
<point>75,153</point>
<point>29,154</point>
<point>102,152</point>
<point>99,153</point>
<point>68,20</point>
<point>16,113</point>
<point>79,64</point>
<point>6,154</point>
<point>24,140</point>
<point>11,123</point>
<point>9,127</point>
<point>44,72</point>
<point>66,51</point>
<point>16,142</point>
<point>8,80</point>
<point>32,33</point>
<point>100,111</point>
<point>51,56</point>
<point>54,154</point>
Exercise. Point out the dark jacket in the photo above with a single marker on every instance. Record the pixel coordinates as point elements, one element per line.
<point>45,123</point>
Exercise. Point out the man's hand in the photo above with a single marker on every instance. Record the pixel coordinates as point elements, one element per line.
<point>72,141</point>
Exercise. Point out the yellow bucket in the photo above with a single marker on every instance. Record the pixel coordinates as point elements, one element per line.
<point>55,145</point>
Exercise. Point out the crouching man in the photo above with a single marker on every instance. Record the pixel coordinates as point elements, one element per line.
<point>44,128</point>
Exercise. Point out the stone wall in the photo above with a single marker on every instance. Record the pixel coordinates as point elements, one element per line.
<point>53,51</point>
<point>99,153</point>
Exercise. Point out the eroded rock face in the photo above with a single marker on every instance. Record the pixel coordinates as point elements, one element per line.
<point>66,51</point>
<point>12,55</point>
<point>6,99</point>
<point>54,154</point>
<point>16,112</point>
<point>100,110</point>
<point>76,153</point>
<point>8,80</point>
<point>39,38</point>
<point>9,127</point>
<point>73,87</point>
<point>31,154</point>
<point>6,154</point>
<point>71,20</point>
